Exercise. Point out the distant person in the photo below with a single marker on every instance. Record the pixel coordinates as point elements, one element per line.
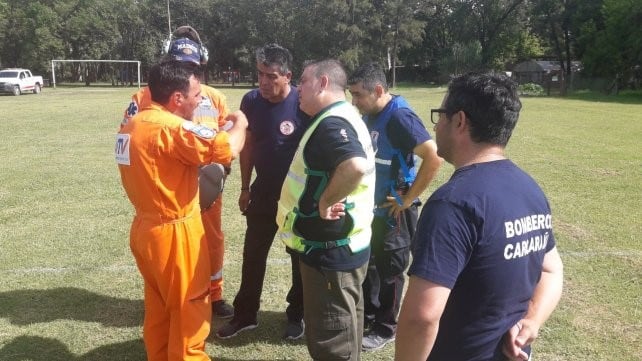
<point>275,127</point>
<point>158,154</point>
<point>485,265</point>
<point>400,139</point>
<point>325,211</point>
<point>186,46</point>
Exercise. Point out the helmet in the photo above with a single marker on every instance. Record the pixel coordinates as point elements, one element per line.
<point>185,45</point>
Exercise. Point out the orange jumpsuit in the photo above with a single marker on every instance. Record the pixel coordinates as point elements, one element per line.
<point>158,156</point>
<point>212,112</point>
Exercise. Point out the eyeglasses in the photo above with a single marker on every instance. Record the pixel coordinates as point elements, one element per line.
<point>435,114</point>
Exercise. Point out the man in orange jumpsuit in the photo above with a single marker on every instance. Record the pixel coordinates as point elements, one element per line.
<point>158,154</point>
<point>212,111</point>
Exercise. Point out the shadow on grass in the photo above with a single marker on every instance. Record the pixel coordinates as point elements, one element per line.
<point>23,307</point>
<point>36,348</point>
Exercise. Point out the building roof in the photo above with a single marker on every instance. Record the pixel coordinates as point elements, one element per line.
<point>545,66</point>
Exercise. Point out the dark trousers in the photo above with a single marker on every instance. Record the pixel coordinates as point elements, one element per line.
<point>261,228</point>
<point>389,258</point>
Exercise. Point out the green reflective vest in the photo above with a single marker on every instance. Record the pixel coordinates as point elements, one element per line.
<point>359,203</point>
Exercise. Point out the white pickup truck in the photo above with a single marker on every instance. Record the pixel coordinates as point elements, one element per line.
<point>18,81</point>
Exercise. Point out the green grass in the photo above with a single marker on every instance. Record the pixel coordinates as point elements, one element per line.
<point>70,289</point>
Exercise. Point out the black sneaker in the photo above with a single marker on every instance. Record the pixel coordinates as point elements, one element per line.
<point>373,341</point>
<point>368,323</point>
<point>222,309</point>
<point>233,328</point>
<point>294,330</point>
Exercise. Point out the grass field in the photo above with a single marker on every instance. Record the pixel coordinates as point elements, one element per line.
<point>70,290</point>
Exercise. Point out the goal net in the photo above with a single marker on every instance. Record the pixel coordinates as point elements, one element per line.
<point>87,72</point>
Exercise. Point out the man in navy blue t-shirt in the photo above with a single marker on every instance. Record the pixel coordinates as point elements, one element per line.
<point>485,273</point>
<point>275,126</point>
<point>400,139</point>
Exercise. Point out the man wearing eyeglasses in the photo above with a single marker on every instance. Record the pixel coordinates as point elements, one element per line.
<point>399,138</point>
<point>485,273</point>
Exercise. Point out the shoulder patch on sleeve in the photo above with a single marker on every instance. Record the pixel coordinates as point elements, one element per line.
<point>132,109</point>
<point>200,130</point>
<point>121,150</point>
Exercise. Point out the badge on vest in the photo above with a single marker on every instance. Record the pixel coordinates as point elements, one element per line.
<point>199,129</point>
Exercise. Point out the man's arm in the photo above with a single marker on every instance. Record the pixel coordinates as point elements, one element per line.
<point>418,325</point>
<point>545,298</point>
<point>226,121</point>
<point>344,179</point>
<point>237,133</point>
<point>430,164</point>
<point>246,164</point>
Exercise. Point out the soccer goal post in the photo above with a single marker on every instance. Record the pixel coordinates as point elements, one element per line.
<point>54,61</point>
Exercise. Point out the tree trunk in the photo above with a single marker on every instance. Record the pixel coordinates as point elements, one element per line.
<point>394,60</point>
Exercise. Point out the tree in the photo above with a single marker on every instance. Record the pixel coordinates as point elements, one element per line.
<point>463,58</point>
<point>403,29</point>
<point>491,23</point>
<point>555,21</point>
<point>439,37</point>
<point>15,27</point>
<point>615,50</point>
<point>436,43</point>
<point>477,35</point>
<point>569,27</point>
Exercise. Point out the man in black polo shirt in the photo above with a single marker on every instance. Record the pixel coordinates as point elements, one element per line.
<point>325,211</point>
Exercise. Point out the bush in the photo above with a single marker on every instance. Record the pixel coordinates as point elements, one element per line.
<point>531,89</point>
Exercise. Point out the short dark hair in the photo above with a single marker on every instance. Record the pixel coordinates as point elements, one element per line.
<point>274,54</point>
<point>369,75</point>
<point>333,69</point>
<point>167,77</point>
<point>490,102</point>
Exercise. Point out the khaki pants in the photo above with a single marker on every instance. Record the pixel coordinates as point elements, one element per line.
<point>333,312</point>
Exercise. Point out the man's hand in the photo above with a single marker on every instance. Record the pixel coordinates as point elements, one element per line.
<point>395,207</point>
<point>345,178</point>
<point>332,212</point>
<point>244,200</point>
<point>522,334</point>
<point>237,132</point>
<point>545,297</point>
<point>237,117</point>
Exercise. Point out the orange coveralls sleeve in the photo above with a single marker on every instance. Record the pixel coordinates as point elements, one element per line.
<point>158,156</point>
